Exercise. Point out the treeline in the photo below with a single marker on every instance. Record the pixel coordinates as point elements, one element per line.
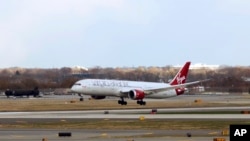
<point>222,79</point>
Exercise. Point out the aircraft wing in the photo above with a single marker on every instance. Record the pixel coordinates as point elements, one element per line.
<point>152,91</point>
<point>125,91</point>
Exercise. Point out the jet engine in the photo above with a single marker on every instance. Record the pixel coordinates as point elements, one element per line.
<point>98,97</point>
<point>180,91</point>
<point>136,94</point>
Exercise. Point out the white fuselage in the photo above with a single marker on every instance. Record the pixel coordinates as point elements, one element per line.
<point>99,87</point>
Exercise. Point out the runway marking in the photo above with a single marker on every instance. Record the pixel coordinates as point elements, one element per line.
<point>213,133</point>
<point>21,122</point>
<point>17,136</point>
<point>149,133</point>
<point>104,134</point>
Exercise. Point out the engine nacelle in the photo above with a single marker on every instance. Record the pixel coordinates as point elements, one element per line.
<point>180,91</point>
<point>98,97</point>
<point>136,94</point>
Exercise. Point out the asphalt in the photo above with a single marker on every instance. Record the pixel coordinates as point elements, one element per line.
<point>125,135</point>
<point>132,114</point>
<point>113,135</point>
<point>108,135</point>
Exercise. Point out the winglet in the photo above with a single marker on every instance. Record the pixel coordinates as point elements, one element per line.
<point>181,76</point>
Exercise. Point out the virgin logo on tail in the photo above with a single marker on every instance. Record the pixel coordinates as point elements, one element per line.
<point>181,76</point>
<point>180,79</point>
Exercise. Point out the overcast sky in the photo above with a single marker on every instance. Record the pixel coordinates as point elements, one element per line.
<point>118,33</point>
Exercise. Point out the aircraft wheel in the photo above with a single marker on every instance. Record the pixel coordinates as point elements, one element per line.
<point>142,102</point>
<point>123,103</point>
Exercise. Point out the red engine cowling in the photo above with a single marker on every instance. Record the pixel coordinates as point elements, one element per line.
<point>98,97</point>
<point>180,91</point>
<point>136,94</point>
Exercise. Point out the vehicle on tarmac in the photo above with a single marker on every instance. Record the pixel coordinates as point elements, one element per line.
<point>22,92</point>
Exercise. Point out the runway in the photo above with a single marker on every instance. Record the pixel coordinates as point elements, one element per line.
<point>168,115</point>
<point>108,135</point>
<point>132,114</point>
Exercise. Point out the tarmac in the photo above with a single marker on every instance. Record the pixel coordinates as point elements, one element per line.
<point>17,134</point>
<point>108,135</point>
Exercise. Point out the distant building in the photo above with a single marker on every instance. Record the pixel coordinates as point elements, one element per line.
<point>201,66</point>
<point>79,69</point>
<point>246,79</point>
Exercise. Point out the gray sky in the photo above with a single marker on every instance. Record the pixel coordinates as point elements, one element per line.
<point>118,33</point>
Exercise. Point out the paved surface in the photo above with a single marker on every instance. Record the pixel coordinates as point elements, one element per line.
<point>132,114</point>
<point>124,135</point>
<point>113,135</point>
<point>42,115</point>
<point>108,135</point>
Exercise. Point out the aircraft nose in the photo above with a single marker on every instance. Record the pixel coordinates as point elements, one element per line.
<point>75,88</point>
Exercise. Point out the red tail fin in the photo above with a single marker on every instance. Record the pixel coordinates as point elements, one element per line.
<point>181,76</point>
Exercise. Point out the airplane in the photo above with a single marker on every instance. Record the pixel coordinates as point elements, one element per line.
<point>135,90</point>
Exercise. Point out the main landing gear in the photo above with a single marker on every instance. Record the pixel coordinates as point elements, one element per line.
<point>122,102</point>
<point>141,102</point>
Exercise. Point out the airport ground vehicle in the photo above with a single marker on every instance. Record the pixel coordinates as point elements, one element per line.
<point>22,92</point>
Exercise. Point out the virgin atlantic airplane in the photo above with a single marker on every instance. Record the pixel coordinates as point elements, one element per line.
<point>135,90</point>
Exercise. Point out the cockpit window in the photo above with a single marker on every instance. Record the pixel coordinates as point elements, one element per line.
<point>78,84</point>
